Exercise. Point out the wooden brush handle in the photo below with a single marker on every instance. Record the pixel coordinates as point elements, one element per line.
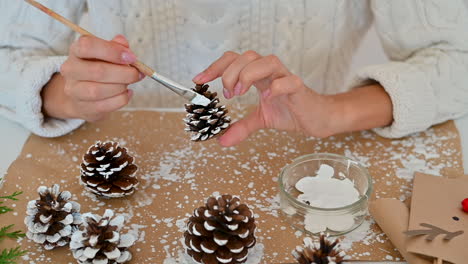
<point>139,65</point>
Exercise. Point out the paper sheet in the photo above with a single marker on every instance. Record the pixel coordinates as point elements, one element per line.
<point>178,175</point>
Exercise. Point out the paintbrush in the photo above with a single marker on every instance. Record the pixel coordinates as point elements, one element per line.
<point>190,95</point>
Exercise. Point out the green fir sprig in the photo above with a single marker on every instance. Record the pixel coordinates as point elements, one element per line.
<point>12,196</point>
<point>4,233</point>
<point>8,256</point>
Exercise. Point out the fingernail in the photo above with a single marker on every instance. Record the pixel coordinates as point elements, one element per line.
<point>226,93</point>
<point>198,78</point>
<point>266,93</point>
<point>130,94</point>
<point>128,57</point>
<point>238,88</point>
<point>141,76</point>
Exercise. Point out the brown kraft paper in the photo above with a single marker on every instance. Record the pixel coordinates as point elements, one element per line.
<point>177,175</point>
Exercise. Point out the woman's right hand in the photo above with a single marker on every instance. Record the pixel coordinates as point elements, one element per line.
<point>93,80</point>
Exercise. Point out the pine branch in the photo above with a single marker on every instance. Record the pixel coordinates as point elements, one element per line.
<point>8,256</point>
<point>4,209</point>
<point>12,196</point>
<point>15,234</point>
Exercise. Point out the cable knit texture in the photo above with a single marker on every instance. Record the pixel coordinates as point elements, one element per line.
<point>426,41</point>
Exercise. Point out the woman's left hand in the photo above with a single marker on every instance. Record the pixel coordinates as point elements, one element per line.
<point>285,103</point>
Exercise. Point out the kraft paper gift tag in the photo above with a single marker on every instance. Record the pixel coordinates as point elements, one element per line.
<point>392,216</point>
<point>436,204</point>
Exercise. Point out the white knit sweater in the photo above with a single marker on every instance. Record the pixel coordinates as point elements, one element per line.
<point>427,42</point>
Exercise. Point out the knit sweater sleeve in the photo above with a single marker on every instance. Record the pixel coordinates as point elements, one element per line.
<point>31,50</point>
<point>427,77</point>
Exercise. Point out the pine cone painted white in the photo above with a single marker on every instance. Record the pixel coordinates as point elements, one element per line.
<point>52,218</point>
<point>108,170</point>
<point>222,231</point>
<point>99,240</point>
<point>206,122</point>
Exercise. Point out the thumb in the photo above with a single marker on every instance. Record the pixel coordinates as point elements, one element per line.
<point>121,39</point>
<point>242,129</point>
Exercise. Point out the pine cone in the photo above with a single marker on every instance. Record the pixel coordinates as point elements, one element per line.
<point>107,170</point>
<point>52,219</point>
<point>222,231</point>
<point>323,252</point>
<point>206,122</point>
<point>98,241</point>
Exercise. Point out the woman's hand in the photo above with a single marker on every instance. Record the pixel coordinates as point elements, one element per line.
<point>285,102</point>
<point>93,80</point>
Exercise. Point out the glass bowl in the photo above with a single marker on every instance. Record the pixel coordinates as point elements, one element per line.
<point>315,220</point>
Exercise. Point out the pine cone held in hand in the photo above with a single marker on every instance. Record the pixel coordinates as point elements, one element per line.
<point>52,218</point>
<point>222,231</point>
<point>206,122</point>
<point>107,170</point>
<point>98,241</point>
<point>324,252</point>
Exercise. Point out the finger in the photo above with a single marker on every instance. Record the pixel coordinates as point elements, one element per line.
<point>122,40</point>
<point>242,129</point>
<point>216,69</point>
<point>291,84</point>
<point>230,77</point>
<point>266,67</point>
<point>111,104</point>
<point>99,71</point>
<point>95,91</point>
<point>90,47</point>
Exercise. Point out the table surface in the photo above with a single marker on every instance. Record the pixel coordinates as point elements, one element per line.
<point>13,137</point>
